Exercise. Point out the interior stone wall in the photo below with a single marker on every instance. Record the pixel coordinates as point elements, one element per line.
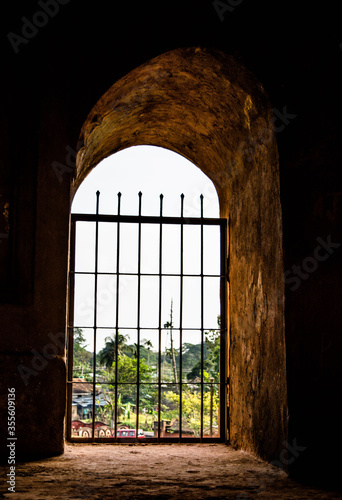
<point>34,324</point>
<point>207,107</point>
<point>258,397</point>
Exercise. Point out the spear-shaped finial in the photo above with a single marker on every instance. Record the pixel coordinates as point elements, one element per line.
<point>202,197</point>
<point>97,201</point>
<point>119,202</point>
<point>161,204</point>
<point>140,197</point>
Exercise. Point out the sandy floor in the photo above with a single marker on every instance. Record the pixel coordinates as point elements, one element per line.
<point>193,471</point>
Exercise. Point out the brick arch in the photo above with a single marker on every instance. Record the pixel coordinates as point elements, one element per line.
<point>206,106</point>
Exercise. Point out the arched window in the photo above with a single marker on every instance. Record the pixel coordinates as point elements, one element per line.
<point>147,324</point>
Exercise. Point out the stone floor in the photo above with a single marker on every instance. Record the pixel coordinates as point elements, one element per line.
<point>161,472</point>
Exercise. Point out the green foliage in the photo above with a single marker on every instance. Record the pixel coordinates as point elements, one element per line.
<point>127,379</point>
<point>211,354</point>
<point>212,342</point>
<point>83,359</point>
<point>127,368</point>
<point>191,408</point>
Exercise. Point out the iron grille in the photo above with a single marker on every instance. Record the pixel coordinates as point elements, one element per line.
<point>208,427</point>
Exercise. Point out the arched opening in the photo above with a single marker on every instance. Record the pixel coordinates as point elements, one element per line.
<point>205,106</point>
<point>152,170</point>
<point>147,325</point>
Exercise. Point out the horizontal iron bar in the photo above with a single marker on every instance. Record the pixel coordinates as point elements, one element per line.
<point>155,384</point>
<point>150,274</point>
<point>156,328</point>
<point>145,440</point>
<point>147,219</point>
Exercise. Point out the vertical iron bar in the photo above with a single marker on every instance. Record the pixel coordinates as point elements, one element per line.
<point>211,407</point>
<point>95,310</point>
<point>160,309</point>
<point>70,338</point>
<point>138,315</point>
<point>181,321</point>
<point>223,409</point>
<point>117,317</point>
<point>202,320</point>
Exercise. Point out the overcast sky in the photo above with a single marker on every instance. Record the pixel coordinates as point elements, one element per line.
<point>151,170</point>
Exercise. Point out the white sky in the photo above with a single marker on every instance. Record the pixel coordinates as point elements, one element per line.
<point>151,170</point>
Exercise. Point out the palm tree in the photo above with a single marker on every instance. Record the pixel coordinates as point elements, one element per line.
<point>148,345</point>
<point>107,354</point>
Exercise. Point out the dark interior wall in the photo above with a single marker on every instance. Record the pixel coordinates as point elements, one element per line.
<point>311,198</point>
<point>33,309</point>
<point>49,87</point>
